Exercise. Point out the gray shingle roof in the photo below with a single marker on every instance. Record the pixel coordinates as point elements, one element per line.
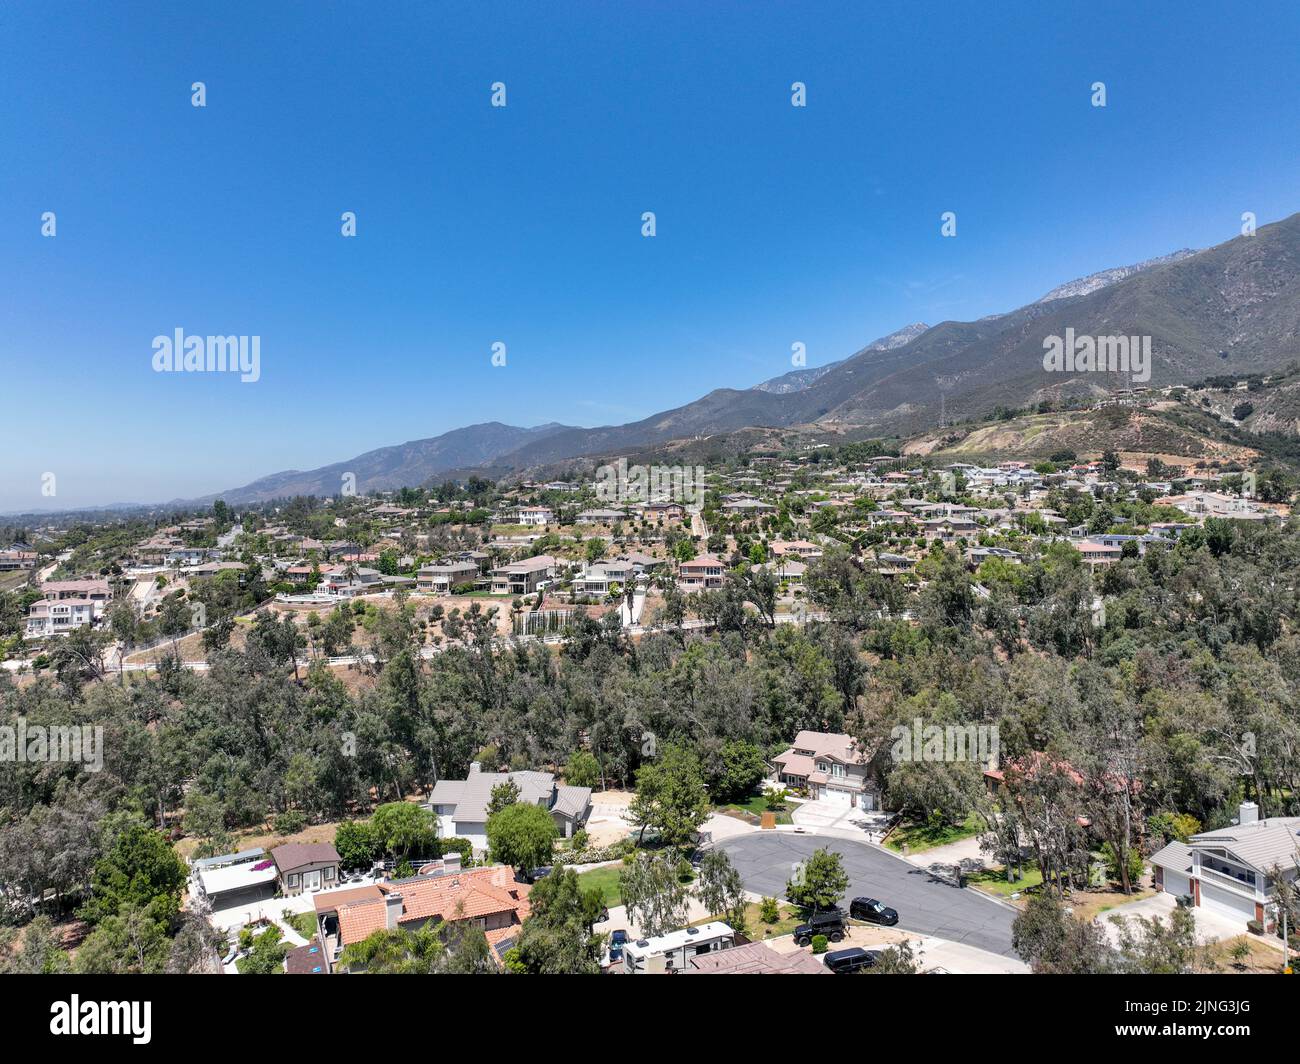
<point>1261,845</point>
<point>1176,855</point>
<point>471,796</point>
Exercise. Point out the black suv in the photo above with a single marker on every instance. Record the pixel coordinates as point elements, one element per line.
<point>873,912</point>
<point>828,922</point>
<point>848,961</point>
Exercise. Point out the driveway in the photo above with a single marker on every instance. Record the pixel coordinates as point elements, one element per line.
<point>1210,926</point>
<point>765,860</point>
<point>825,816</point>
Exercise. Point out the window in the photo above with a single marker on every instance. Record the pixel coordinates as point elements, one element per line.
<point>329,872</point>
<point>292,880</point>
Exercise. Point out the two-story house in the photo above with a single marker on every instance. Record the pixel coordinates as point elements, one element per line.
<point>705,573</point>
<point>1231,871</point>
<point>830,767</point>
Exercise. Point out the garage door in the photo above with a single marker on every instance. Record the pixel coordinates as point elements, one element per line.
<point>1225,903</point>
<point>838,796</point>
<point>1177,883</point>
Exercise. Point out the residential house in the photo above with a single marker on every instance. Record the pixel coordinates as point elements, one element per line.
<point>1233,871</point>
<point>599,577</point>
<point>461,805</point>
<point>754,958</point>
<point>830,767</point>
<point>487,898</point>
<point>305,867</point>
<point>11,560</point>
<point>524,577</point>
<point>705,573</point>
<point>439,579</point>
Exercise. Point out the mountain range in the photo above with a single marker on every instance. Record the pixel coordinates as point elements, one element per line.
<point>1232,308</point>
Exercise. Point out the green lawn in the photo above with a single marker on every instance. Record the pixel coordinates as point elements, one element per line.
<point>607,880</point>
<point>756,806</point>
<point>919,837</point>
<point>994,880</point>
<point>757,930</point>
<point>304,924</point>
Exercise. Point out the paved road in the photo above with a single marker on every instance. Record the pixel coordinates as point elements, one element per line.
<point>765,860</point>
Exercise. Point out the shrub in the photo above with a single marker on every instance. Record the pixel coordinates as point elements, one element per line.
<point>769,911</point>
<point>819,943</point>
<point>290,822</point>
<point>1254,927</point>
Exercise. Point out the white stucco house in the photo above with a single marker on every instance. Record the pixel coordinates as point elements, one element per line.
<point>1230,871</point>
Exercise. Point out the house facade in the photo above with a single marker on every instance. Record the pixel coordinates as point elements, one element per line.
<point>830,767</point>
<point>1231,871</point>
<point>524,577</point>
<point>702,574</point>
<point>305,867</point>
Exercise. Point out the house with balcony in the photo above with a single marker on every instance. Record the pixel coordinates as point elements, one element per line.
<point>830,767</point>
<point>524,577</point>
<point>1233,871</point>
<point>706,573</point>
<point>600,577</point>
<point>439,579</point>
<point>59,616</point>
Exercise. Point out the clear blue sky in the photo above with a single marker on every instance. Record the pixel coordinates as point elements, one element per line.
<point>775,224</point>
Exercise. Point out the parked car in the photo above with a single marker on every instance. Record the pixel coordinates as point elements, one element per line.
<point>828,922</point>
<point>873,912</point>
<point>853,959</point>
<point>617,939</point>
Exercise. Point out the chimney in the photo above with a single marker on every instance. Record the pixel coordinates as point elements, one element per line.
<point>1247,813</point>
<point>474,768</point>
<point>392,910</point>
<point>450,863</point>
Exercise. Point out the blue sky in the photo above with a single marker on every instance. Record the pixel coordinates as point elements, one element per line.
<point>522,224</point>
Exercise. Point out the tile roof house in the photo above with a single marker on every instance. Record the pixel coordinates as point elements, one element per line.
<point>461,805</point>
<point>830,766</point>
<point>705,573</point>
<point>488,898</point>
<point>1229,871</point>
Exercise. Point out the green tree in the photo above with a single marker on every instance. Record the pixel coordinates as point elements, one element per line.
<point>582,769</point>
<point>522,836</point>
<point>504,794</point>
<point>737,771</point>
<point>721,889</point>
<point>670,797</point>
<point>653,893</point>
<point>356,844</point>
<point>132,942</point>
<point>820,882</point>
<point>267,955</point>
<point>557,938</point>
<point>397,951</point>
<point>405,830</point>
<point>141,870</point>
